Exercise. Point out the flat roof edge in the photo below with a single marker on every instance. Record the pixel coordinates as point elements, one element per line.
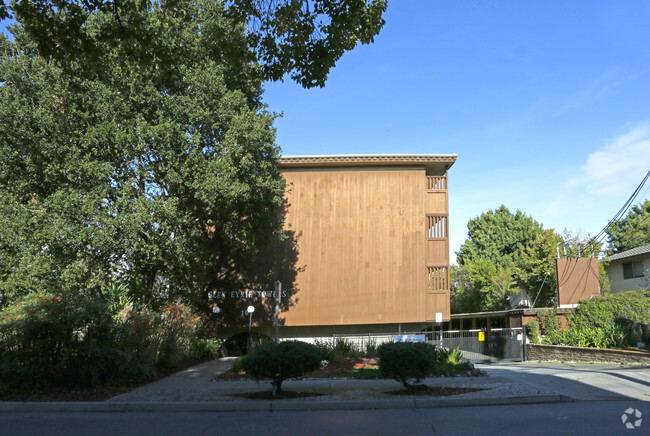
<point>367,159</point>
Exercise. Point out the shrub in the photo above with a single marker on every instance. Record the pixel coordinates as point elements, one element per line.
<point>622,317</point>
<point>49,342</point>
<point>278,362</point>
<point>407,360</point>
<point>337,349</point>
<point>205,349</point>
<point>237,344</point>
<point>602,322</point>
<point>448,362</point>
<point>532,331</point>
<point>550,326</point>
<point>592,337</point>
<point>238,365</point>
<point>175,334</point>
<point>451,355</point>
<point>157,339</point>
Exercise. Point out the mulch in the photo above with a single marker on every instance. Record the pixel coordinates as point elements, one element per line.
<point>332,370</point>
<point>340,370</point>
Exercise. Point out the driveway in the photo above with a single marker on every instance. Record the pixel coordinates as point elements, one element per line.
<point>581,381</point>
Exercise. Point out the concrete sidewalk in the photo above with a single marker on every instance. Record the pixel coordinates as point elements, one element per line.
<point>195,389</point>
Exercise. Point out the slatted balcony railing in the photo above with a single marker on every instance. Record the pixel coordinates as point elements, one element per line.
<point>436,226</point>
<point>436,183</point>
<point>437,278</point>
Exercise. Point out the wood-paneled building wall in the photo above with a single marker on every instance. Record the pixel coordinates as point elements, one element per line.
<point>373,238</point>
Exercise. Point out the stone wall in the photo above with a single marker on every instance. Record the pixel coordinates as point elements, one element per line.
<point>579,354</point>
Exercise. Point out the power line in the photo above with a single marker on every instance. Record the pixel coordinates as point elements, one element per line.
<point>622,211</point>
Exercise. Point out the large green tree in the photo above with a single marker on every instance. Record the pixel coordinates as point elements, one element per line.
<point>162,179</point>
<point>489,259</point>
<point>506,253</point>
<point>481,286</point>
<point>631,231</point>
<point>498,236</point>
<point>302,38</point>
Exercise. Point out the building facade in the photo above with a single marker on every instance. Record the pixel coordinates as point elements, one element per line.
<point>372,236</point>
<point>630,269</point>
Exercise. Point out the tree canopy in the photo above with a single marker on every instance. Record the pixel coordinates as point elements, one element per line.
<point>301,38</point>
<point>499,236</point>
<point>631,231</point>
<point>162,181</point>
<point>507,253</point>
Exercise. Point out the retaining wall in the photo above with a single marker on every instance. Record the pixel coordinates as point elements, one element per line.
<point>562,353</point>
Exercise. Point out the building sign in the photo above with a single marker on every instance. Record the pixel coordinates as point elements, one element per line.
<point>409,338</point>
<point>222,295</point>
<point>481,336</point>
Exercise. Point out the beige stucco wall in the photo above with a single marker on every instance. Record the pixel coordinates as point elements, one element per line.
<point>615,273</point>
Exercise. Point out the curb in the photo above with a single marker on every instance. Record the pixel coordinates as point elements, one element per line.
<point>271,406</point>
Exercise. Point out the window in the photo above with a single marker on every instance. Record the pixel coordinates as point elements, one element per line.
<point>632,270</point>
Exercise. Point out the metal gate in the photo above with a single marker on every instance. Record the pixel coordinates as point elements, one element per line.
<point>481,345</point>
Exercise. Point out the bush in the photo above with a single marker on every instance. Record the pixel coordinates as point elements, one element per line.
<point>447,362</point>
<point>237,344</point>
<point>603,322</point>
<point>278,362</point>
<point>407,360</point>
<point>550,326</point>
<point>47,342</point>
<point>450,355</point>
<point>622,318</point>
<point>205,349</point>
<point>532,331</point>
<point>238,365</point>
<point>337,349</point>
<point>591,337</point>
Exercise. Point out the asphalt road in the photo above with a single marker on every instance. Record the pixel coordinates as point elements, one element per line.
<point>593,418</point>
<point>581,381</point>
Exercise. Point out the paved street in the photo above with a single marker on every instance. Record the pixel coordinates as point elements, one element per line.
<point>593,418</point>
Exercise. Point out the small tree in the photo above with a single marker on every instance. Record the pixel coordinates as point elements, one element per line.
<point>407,360</point>
<point>278,362</point>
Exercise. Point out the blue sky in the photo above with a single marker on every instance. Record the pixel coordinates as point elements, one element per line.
<point>547,104</point>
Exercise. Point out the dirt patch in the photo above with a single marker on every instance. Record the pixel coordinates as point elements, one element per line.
<point>284,395</point>
<point>434,391</point>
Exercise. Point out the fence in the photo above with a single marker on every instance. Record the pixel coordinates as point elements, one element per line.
<point>361,342</point>
<point>478,345</point>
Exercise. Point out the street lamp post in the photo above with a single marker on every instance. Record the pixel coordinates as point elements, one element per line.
<point>250,310</point>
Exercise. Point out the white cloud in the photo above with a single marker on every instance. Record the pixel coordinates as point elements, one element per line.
<point>617,168</point>
<point>605,181</point>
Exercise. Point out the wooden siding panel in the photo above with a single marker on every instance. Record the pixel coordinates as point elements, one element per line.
<point>436,252</point>
<point>437,302</point>
<point>361,245</point>
<point>436,202</point>
<point>577,279</point>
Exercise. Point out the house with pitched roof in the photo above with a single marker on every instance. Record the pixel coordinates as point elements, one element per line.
<point>630,269</point>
